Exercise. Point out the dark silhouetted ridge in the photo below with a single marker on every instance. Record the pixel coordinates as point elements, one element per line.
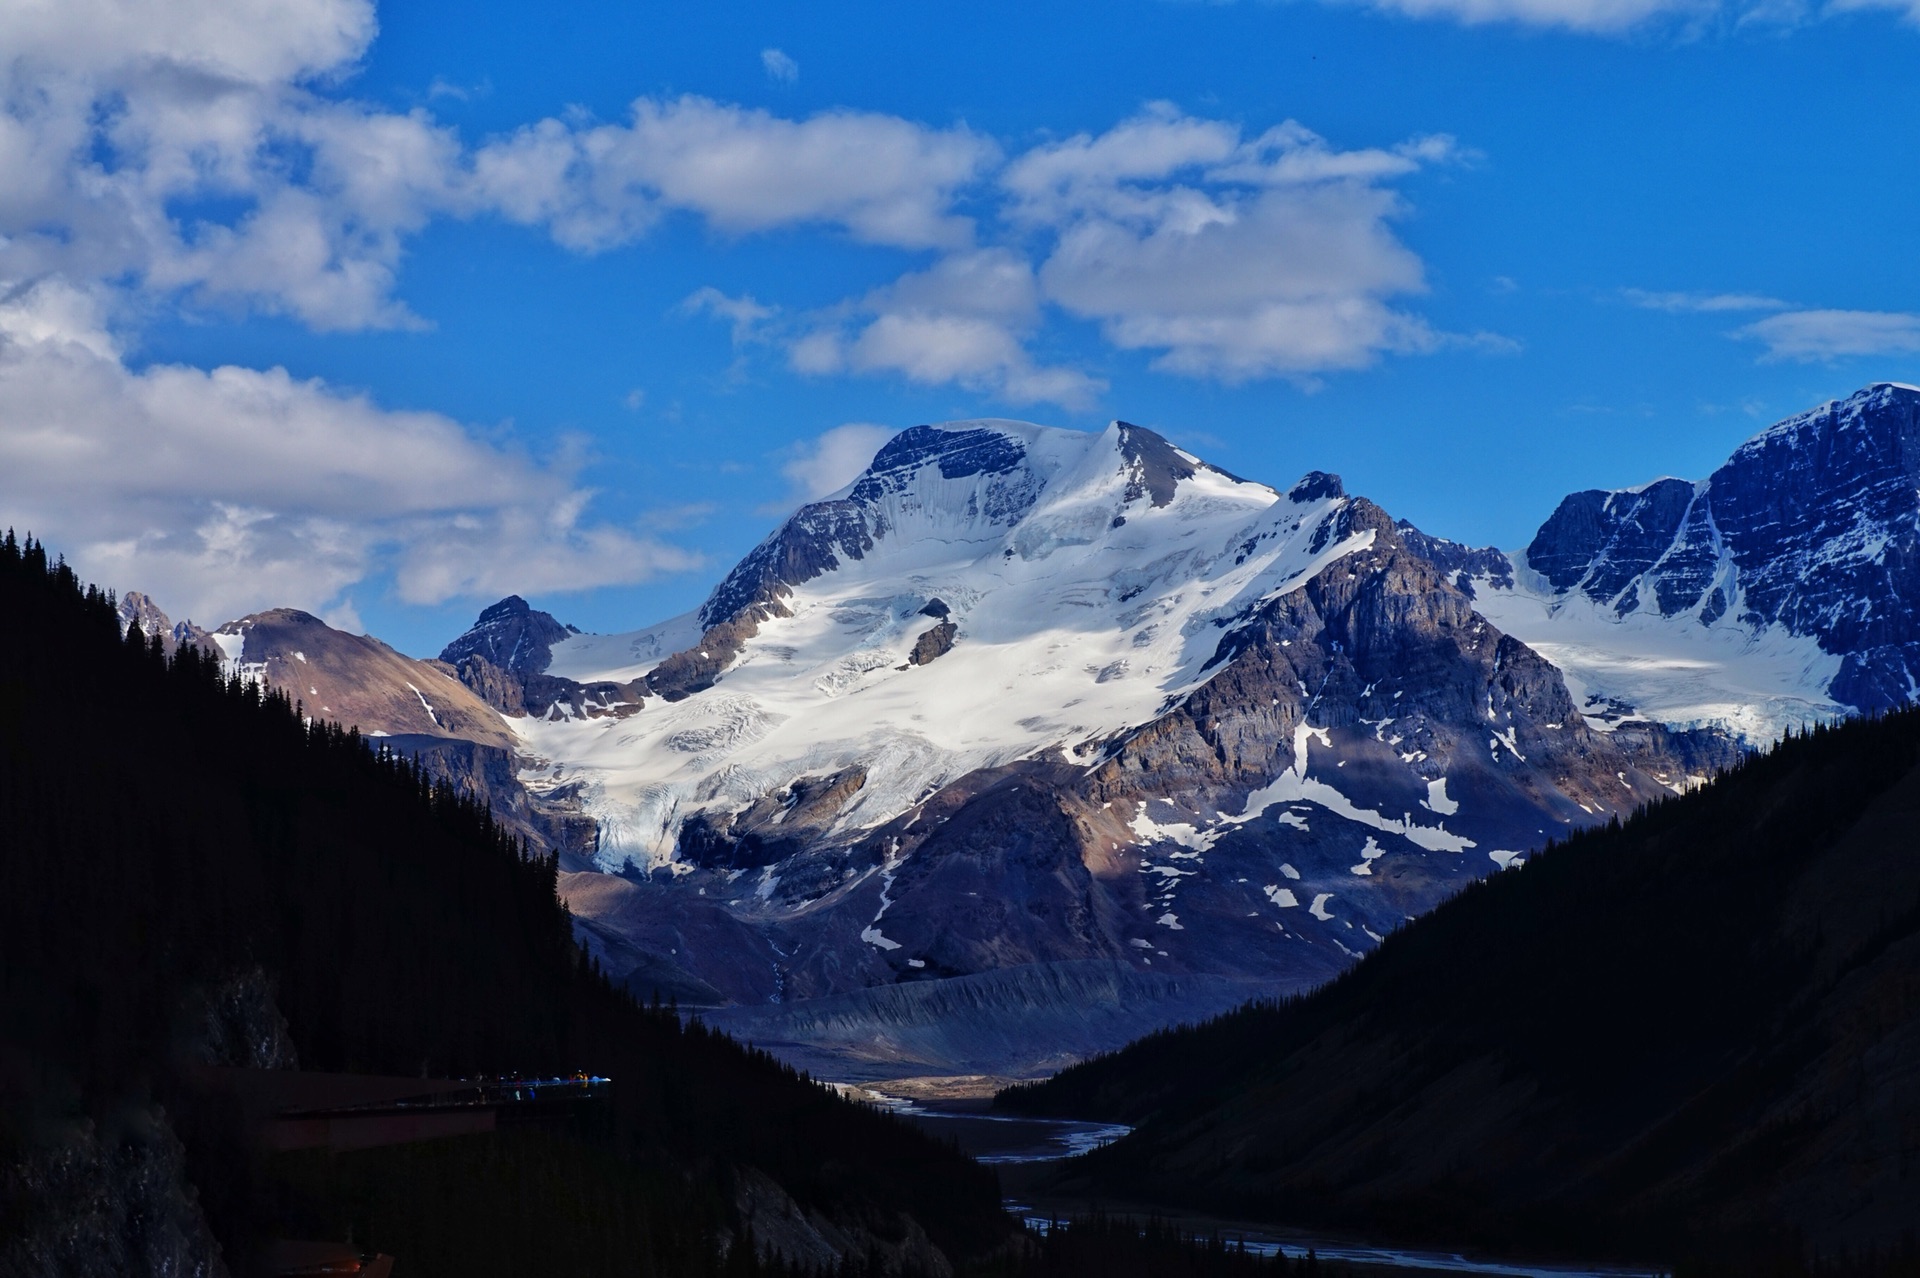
<point>194,873</point>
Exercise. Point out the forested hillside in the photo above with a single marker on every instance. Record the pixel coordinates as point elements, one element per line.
<point>1694,1033</point>
<point>196,874</point>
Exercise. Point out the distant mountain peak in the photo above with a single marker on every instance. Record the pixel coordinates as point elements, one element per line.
<point>1316,485</point>
<point>512,635</point>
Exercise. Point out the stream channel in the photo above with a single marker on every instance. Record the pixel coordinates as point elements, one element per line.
<point>1016,1143</point>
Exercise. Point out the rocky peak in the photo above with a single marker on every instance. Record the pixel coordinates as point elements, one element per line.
<point>138,606</point>
<point>1316,485</point>
<point>1810,529</point>
<point>512,635</point>
<point>1156,467</point>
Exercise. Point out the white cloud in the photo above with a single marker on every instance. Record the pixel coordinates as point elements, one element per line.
<point>1233,259</point>
<point>1909,9</point>
<point>883,179</point>
<point>230,489</point>
<point>1702,302</point>
<point>962,321</point>
<point>743,314</point>
<point>1817,336</point>
<point>780,68</point>
<point>830,461</point>
<point>200,152</point>
<point>122,123</point>
<point>1619,17</point>
<point>1591,16</point>
<point>252,41</point>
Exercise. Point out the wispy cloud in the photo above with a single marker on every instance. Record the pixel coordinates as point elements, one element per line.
<point>1702,302</point>
<point>831,460</point>
<point>743,314</point>
<point>1823,335</point>
<point>1620,17</point>
<point>780,68</point>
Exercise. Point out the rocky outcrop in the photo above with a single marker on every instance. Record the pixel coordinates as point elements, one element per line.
<point>114,1198</point>
<point>782,824</point>
<point>550,820</point>
<point>779,1228</point>
<point>933,643</point>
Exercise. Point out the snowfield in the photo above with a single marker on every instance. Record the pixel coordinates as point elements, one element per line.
<point>1083,609</point>
<point>1673,669</point>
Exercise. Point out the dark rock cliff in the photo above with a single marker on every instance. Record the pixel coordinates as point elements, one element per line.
<point>1812,526</point>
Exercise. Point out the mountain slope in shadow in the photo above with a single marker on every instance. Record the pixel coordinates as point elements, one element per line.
<point>1694,1032</point>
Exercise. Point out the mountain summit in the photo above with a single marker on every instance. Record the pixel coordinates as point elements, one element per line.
<point>1019,697</point>
<point>1783,588</point>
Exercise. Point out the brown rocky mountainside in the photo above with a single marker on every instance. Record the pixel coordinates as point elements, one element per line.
<point>358,681</point>
<point>420,708</point>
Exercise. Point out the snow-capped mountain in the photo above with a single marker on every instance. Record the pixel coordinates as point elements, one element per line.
<point>1783,588</point>
<point>1023,696</point>
<point>1030,740</point>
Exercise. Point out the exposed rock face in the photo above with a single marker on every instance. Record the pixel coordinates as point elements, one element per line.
<point>236,1024</point>
<point>933,643</point>
<point>1811,529</point>
<point>135,606</point>
<point>420,708</point>
<point>781,824</point>
<point>512,636</point>
<point>357,680</point>
<point>86,1200</point>
<point>785,1230</point>
<point>501,689</point>
<point>503,658</point>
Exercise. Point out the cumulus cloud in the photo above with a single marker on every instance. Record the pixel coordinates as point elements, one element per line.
<point>882,179</point>
<point>122,124</point>
<point>202,153</point>
<point>1817,336</point>
<point>1232,258</point>
<point>780,68</point>
<point>831,460</point>
<point>219,489</point>
<point>962,321</point>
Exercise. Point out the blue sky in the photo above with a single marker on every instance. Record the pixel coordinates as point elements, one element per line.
<point>385,313</point>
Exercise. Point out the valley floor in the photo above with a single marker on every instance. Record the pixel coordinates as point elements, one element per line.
<point>1028,1152</point>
